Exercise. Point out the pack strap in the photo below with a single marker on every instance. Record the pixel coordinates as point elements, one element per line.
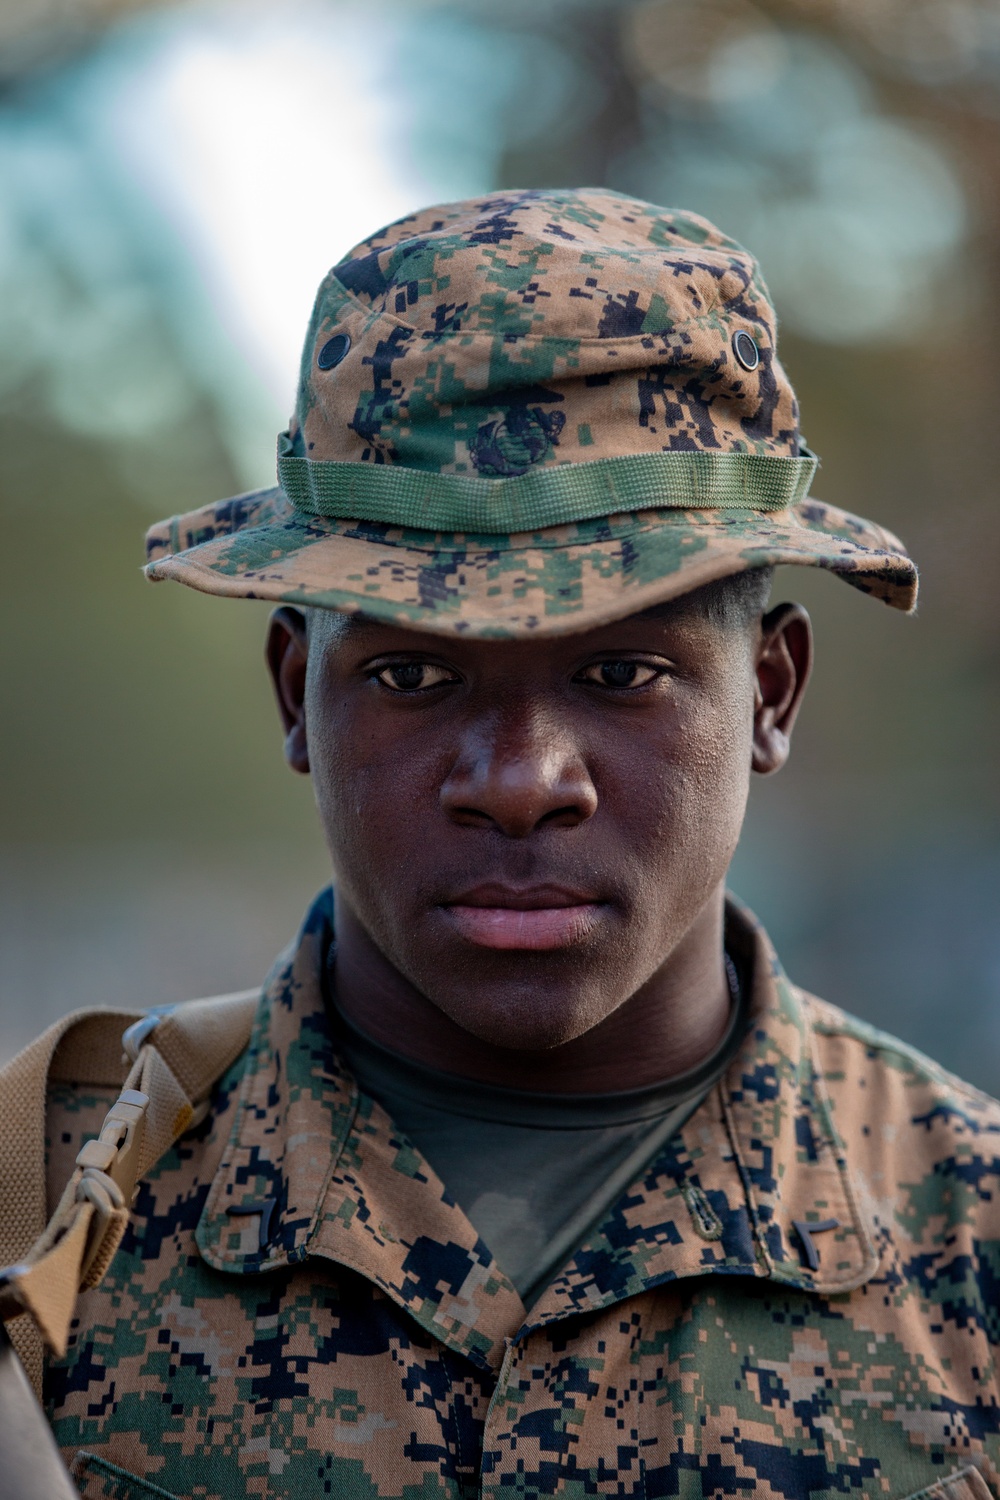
<point>32,1467</point>
<point>177,1054</point>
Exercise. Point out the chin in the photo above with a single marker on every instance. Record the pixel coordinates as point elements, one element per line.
<point>530,1023</point>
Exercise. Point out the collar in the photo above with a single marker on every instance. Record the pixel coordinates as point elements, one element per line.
<point>315,1168</point>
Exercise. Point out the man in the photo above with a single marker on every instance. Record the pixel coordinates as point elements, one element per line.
<point>538,1177</point>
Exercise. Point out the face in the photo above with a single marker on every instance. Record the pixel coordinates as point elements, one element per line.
<point>527,830</point>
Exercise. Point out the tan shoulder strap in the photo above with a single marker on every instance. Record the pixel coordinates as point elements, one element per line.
<point>177,1055</point>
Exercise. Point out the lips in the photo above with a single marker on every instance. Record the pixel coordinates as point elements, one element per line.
<point>538,918</point>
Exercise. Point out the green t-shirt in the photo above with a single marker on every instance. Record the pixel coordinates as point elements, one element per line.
<point>533,1172</point>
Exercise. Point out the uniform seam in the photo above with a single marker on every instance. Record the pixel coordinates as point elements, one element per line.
<point>532,544</point>
<point>759,1238</point>
<point>224,1259</point>
<point>627,340</point>
<point>85,1460</point>
<point>351,1115</point>
<point>930,1070</point>
<point>460,1465</point>
<point>858,1220</point>
<point>942,1485</point>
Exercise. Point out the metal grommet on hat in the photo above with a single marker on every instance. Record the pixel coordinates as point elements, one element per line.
<point>333,351</point>
<point>745,349</point>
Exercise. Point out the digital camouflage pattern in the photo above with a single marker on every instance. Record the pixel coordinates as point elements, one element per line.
<point>541,328</point>
<point>300,1310</point>
<point>532,411</point>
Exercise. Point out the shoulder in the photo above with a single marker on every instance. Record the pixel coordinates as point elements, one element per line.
<point>844,1038</point>
<point>55,1094</point>
<point>903,1119</point>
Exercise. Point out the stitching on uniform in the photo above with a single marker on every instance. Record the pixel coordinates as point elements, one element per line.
<point>531,541</point>
<point>460,1465</point>
<point>222,1256</point>
<point>870,1255</point>
<point>234,1144</point>
<point>942,1486</point>
<point>317,1217</point>
<point>85,1460</point>
<point>730,1124</point>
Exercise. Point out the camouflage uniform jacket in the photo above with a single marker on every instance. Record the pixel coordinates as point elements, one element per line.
<point>301,1310</point>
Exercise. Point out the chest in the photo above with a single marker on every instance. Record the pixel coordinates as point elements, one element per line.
<point>312,1382</point>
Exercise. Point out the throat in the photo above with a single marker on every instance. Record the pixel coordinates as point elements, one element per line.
<point>670,1026</point>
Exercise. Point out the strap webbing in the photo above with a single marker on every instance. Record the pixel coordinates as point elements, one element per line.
<point>31,1466</point>
<point>181,1056</point>
<point>552,495</point>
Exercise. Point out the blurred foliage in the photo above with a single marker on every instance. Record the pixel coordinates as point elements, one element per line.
<point>853,144</point>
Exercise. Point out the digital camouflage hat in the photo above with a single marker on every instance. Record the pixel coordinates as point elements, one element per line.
<point>530,413</point>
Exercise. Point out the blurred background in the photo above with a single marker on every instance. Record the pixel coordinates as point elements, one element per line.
<point>175,180</point>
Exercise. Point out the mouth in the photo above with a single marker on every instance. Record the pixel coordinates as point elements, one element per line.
<point>538,918</point>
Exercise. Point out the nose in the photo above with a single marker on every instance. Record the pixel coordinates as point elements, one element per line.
<point>517,774</point>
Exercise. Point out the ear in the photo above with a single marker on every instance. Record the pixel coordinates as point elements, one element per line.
<point>784,661</point>
<point>287,654</point>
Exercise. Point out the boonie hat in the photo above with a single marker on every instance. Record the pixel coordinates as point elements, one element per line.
<point>531,413</point>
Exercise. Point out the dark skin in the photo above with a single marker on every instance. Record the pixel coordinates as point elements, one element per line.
<point>530,838</point>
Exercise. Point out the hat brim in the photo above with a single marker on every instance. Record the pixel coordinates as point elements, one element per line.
<point>556,581</point>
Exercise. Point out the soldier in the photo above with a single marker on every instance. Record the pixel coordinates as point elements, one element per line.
<point>537,1176</point>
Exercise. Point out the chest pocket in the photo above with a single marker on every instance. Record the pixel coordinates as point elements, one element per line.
<point>96,1479</point>
<point>966,1484</point>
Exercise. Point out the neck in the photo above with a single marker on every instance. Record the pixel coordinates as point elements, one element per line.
<point>669,1025</point>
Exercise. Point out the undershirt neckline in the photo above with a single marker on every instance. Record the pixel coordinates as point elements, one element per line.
<point>534,1172</point>
<point>404,1077</point>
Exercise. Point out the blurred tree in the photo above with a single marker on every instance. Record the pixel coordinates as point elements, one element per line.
<point>854,145</point>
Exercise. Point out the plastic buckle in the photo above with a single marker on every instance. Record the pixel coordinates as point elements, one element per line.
<point>110,1172</point>
<point>125,1127</point>
<point>134,1035</point>
<point>116,1150</point>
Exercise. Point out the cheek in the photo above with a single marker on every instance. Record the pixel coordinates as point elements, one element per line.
<point>717,756</point>
<point>371,790</point>
<point>698,783</point>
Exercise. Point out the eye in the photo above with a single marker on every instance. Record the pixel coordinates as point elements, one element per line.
<point>619,674</point>
<point>413,676</point>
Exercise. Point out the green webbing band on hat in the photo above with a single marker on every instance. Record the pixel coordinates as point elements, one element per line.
<point>544,497</point>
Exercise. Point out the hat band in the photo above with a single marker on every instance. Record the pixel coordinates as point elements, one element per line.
<point>552,496</point>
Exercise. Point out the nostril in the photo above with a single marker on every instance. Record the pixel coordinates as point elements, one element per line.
<point>517,817</point>
<point>519,782</point>
<point>563,817</point>
<point>469,816</point>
